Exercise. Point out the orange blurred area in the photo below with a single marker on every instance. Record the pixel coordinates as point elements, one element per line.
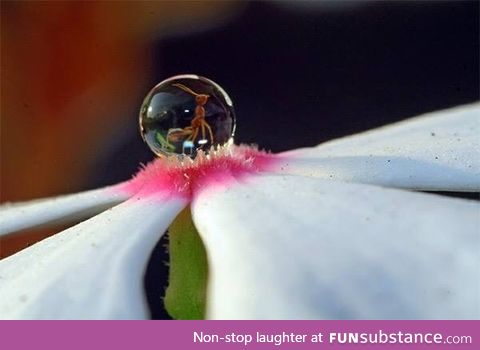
<point>68,71</point>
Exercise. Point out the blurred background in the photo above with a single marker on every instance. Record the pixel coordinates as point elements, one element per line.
<point>73,76</point>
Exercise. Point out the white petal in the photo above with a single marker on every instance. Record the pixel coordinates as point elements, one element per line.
<point>437,151</point>
<point>53,211</point>
<point>91,271</point>
<point>286,247</point>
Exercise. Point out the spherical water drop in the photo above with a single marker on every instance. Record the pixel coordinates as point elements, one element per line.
<point>184,114</point>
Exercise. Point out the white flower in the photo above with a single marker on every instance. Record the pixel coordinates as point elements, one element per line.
<point>310,233</point>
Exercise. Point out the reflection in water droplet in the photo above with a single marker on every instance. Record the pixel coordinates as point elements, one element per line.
<point>184,114</point>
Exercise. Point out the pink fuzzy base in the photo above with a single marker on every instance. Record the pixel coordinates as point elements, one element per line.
<point>165,177</point>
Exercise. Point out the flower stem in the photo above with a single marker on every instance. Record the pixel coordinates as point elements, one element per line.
<point>185,296</point>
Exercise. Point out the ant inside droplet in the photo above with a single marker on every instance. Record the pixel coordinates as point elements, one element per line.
<point>185,114</point>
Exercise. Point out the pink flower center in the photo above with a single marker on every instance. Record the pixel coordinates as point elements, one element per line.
<point>172,177</point>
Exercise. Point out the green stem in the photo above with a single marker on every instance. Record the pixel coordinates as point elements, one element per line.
<point>185,296</point>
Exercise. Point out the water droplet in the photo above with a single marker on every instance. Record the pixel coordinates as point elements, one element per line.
<point>184,114</point>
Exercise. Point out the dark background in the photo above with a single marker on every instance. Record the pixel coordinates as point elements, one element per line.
<point>300,77</point>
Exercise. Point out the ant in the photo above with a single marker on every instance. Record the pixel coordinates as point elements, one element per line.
<point>197,122</point>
